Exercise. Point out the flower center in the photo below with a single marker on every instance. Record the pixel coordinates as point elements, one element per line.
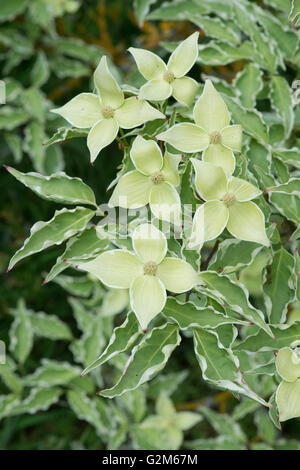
<point>215,138</point>
<point>107,112</point>
<point>229,199</point>
<point>150,268</point>
<point>157,177</point>
<point>169,76</point>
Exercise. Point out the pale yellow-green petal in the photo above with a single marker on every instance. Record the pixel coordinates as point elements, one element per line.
<point>165,203</point>
<point>132,191</point>
<point>135,112</point>
<point>170,168</point>
<point>242,190</point>
<point>82,111</point>
<point>115,301</point>
<point>115,268</point>
<point>231,137</point>
<point>210,180</point>
<point>184,56</point>
<point>209,222</point>
<point>156,89</point>
<point>287,399</point>
<point>186,137</point>
<point>101,135</point>
<point>177,275</point>
<point>247,222</point>
<point>147,298</point>
<point>288,365</point>
<point>184,90</point>
<point>221,156</point>
<point>149,243</point>
<point>146,155</point>
<point>149,64</point>
<point>107,87</point>
<point>210,111</point>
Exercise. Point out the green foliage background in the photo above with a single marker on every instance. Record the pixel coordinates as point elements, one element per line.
<point>47,56</point>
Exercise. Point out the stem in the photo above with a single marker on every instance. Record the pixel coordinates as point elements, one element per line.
<point>211,254</point>
<point>163,106</point>
<point>187,296</point>
<point>122,138</point>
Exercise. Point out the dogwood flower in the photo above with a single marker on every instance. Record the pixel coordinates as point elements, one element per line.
<point>153,181</point>
<point>146,272</point>
<point>166,80</point>
<point>106,111</point>
<point>227,205</point>
<point>288,392</point>
<point>211,133</point>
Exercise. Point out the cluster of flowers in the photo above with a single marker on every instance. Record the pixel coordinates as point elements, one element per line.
<point>156,178</point>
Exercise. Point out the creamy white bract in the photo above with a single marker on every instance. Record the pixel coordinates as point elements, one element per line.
<point>105,112</point>
<point>153,181</point>
<point>211,132</point>
<point>147,272</point>
<point>169,80</point>
<point>228,204</point>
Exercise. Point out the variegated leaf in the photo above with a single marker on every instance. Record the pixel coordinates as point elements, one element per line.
<point>63,225</point>
<point>122,338</point>
<point>147,359</point>
<point>58,187</point>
